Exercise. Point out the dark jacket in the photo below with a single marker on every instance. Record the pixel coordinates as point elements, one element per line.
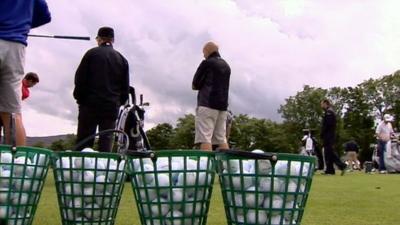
<point>212,82</point>
<point>351,146</point>
<point>102,78</point>
<point>328,129</point>
<point>17,17</point>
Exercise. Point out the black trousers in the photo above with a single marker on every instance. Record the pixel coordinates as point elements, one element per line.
<point>331,157</point>
<point>320,157</point>
<point>89,119</point>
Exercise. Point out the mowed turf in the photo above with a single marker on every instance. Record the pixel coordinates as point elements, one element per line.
<point>354,199</point>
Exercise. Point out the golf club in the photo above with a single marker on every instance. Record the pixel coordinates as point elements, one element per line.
<point>60,37</point>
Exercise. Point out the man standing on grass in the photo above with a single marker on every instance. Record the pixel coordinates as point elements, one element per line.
<point>328,135</point>
<point>211,80</point>
<point>101,87</point>
<point>17,17</point>
<point>384,131</point>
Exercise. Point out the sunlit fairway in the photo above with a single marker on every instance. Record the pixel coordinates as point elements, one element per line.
<point>354,199</point>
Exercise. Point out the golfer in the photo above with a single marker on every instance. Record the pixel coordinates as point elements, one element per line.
<point>211,80</point>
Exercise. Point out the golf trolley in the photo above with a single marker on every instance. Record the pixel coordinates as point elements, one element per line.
<point>310,148</point>
<point>391,155</point>
<point>131,121</point>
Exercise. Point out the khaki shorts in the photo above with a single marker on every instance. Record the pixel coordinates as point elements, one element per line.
<point>210,126</point>
<point>12,58</point>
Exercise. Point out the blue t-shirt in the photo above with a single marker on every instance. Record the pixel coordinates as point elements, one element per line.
<point>17,17</point>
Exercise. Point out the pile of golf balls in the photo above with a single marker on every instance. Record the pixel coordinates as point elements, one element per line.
<point>256,186</point>
<point>21,177</point>
<point>173,189</point>
<point>89,186</point>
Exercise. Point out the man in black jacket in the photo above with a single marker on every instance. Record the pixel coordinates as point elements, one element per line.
<point>211,80</point>
<point>328,133</point>
<point>101,86</point>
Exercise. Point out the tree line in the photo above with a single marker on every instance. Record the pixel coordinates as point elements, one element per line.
<point>358,110</point>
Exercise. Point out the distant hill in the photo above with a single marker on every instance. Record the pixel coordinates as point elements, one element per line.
<point>47,140</point>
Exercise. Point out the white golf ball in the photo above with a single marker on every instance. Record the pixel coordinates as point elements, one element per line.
<point>162,164</point>
<point>4,194</point>
<point>186,179</point>
<point>92,211</point>
<point>248,181</point>
<point>162,211</point>
<point>20,198</point>
<point>84,162</point>
<point>87,149</point>
<point>177,195</point>
<point>204,163</point>
<point>266,184</point>
<point>255,217</point>
<point>148,174</point>
<point>22,184</point>
<point>163,180</point>
<point>88,191</point>
<point>16,221</point>
<point>104,200</point>
<point>253,199</point>
<point>149,194</point>
<point>174,218</point>
<point>4,178</point>
<point>276,219</point>
<point>3,212</point>
<point>101,182</point>
<point>5,158</point>
<point>154,222</point>
<point>275,203</point>
<point>39,159</point>
<point>191,164</point>
<point>292,187</point>
<point>233,165</point>
<point>88,177</point>
<point>20,164</point>
<point>281,167</point>
<point>191,207</point>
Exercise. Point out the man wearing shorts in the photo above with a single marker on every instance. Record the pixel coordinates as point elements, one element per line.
<point>211,80</point>
<point>17,17</point>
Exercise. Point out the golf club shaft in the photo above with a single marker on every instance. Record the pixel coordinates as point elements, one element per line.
<point>60,37</point>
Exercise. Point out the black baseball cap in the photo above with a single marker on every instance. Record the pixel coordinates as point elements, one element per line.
<point>106,32</point>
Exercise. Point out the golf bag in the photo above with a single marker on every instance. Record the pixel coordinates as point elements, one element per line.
<point>131,121</point>
<point>310,148</point>
<point>391,155</point>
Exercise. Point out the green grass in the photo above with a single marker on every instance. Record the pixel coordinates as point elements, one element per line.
<point>354,199</point>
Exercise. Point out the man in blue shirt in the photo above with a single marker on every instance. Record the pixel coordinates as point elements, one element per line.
<point>17,17</point>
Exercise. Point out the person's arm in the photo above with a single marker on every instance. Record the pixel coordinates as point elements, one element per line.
<point>81,76</point>
<point>41,13</point>
<point>125,84</point>
<point>199,76</point>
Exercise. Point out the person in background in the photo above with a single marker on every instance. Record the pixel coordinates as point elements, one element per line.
<point>384,132</point>
<point>211,80</point>
<point>328,136</point>
<point>351,148</point>
<point>101,87</point>
<point>17,17</point>
<point>30,80</point>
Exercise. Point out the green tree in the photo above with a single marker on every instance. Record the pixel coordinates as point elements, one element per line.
<point>183,137</point>
<point>39,144</point>
<point>161,136</point>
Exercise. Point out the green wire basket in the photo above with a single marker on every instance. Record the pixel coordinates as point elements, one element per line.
<point>172,187</point>
<point>23,171</point>
<point>264,188</point>
<point>89,186</point>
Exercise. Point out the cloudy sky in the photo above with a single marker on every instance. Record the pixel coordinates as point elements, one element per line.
<point>273,47</point>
